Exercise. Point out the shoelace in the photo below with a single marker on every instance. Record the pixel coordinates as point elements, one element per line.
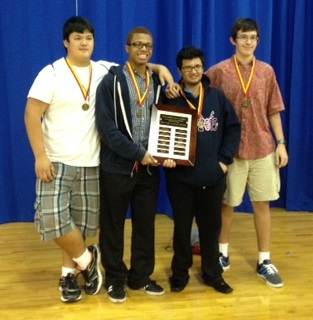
<point>270,269</point>
<point>70,282</point>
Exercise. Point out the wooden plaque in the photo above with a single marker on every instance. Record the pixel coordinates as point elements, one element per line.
<point>173,134</point>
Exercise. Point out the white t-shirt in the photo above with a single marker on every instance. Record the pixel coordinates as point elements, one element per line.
<point>70,134</point>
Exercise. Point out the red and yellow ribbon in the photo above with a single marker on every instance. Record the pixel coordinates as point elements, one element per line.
<point>141,98</point>
<point>84,91</point>
<point>244,87</point>
<point>201,98</point>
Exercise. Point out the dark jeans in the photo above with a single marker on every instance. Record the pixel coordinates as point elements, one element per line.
<point>205,204</point>
<point>117,192</point>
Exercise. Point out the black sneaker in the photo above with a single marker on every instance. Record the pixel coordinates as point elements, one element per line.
<point>93,275</point>
<point>117,291</point>
<point>220,286</point>
<point>177,285</point>
<point>69,287</point>
<point>153,289</point>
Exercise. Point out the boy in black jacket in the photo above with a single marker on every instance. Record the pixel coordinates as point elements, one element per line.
<point>198,191</point>
<point>129,174</point>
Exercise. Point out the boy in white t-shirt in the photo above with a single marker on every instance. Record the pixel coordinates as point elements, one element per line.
<point>60,124</point>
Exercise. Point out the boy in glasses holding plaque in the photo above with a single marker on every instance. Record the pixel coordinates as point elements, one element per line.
<point>129,174</point>
<point>197,192</point>
<point>252,88</point>
<point>61,128</point>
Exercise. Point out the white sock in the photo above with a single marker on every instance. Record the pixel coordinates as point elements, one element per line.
<point>223,248</point>
<point>66,271</point>
<point>84,260</point>
<point>263,256</point>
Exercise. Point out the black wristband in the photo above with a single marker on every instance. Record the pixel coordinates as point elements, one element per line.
<point>281,141</point>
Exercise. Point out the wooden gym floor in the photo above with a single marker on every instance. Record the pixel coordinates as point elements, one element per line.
<point>30,270</point>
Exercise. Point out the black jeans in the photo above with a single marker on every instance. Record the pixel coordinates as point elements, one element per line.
<point>117,192</point>
<point>205,204</point>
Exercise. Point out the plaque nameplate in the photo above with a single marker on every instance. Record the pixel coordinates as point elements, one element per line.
<point>173,134</point>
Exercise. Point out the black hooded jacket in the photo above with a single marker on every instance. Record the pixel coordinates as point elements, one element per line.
<point>114,122</point>
<point>217,141</point>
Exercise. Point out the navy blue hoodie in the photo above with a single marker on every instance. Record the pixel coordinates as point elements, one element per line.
<point>114,122</point>
<point>217,142</point>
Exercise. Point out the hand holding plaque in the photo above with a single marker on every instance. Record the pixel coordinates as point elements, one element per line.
<point>173,134</point>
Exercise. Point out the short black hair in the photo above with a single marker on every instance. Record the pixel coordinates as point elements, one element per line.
<point>77,24</point>
<point>188,53</point>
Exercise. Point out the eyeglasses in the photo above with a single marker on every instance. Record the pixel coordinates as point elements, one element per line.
<point>140,45</point>
<point>197,67</point>
<point>244,38</point>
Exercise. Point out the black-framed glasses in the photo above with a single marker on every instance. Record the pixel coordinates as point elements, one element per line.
<point>197,67</point>
<point>140,45</point>
<point>245,38</point>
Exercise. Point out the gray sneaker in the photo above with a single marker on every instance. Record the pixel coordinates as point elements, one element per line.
<point>224,262</point>
<point>269,273</point>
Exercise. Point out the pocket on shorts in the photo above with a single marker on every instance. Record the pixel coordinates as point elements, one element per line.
<point>38,210</point>
<point>278,183</point>
<point>37,205</point>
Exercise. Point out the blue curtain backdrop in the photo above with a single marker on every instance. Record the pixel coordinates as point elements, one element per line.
<point>31,37</point>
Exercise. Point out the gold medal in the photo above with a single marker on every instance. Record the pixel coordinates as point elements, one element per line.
<point>245,103</point>
<point>139,113</point>
<point>85,106</point>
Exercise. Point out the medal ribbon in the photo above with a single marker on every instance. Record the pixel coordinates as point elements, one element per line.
<point>84,91</point>
<point>244,87</point>
<point>141,98</point>
<point>201,98</point>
